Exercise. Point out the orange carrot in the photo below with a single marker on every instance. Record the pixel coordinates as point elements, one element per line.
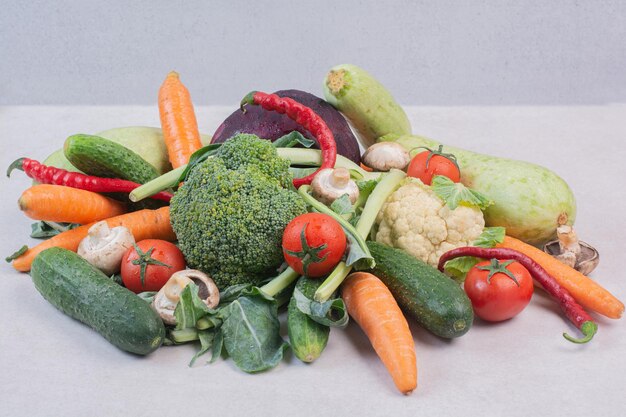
<point>585,291</point>
<point>143,224</point>
<point>371,305</point>
<point>178,120</point>
<point>69,205</point>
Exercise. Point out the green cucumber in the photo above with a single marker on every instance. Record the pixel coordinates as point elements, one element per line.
<point>84,293</point>
<point>530,200</point>
<point>307,337</point>
<point>366,103</point>
<point>101,157</point>
<point>435,301</point>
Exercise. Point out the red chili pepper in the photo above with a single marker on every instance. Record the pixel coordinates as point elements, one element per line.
<point>57,176</point>
<point>574,312</point>
<point>305,117</point>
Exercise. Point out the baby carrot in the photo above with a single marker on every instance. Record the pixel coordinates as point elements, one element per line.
<point>143,224</point>
<point>178,120</point>
<point>585,291</point>
<point>371,305</point>
<point>67,205</point>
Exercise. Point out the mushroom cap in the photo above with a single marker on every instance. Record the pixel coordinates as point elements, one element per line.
<point>104,247</point>
<point>586,262</point>
<point>331,183</point>
<point>384,156</point>
<point>166,300</point>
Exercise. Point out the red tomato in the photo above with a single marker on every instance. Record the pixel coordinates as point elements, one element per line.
<point>160,259</point>
<point>425,165</point>
<point>324,244</point>
<point>499,297</point>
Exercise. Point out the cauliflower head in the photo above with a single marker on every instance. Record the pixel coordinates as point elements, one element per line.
<point>417,221</point>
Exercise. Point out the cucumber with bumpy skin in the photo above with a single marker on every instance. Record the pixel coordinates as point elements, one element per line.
<point>365,102</point>
<point>101,157</point>
<point>84,293</point>
<point>434,300</point>
<point>307,337</point>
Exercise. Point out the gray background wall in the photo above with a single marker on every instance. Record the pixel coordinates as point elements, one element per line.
<point>428,53</point>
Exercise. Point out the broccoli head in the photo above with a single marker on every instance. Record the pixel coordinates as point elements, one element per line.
<point>245,149</point>
<point>230,214</point>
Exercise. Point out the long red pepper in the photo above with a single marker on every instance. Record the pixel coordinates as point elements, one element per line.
<point>574,312</point>
<point>305,117</point>
<point>57,176</point>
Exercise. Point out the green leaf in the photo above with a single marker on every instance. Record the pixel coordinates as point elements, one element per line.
<point>455,194</point>
<point>342,206</point>
<point>250,331</point>
<point>21,251</point>
<point>330,313</point>
<point>231,293</point>
<point>459,267</point>
<point>490,237</point>
<point>206,338</point>
<point>358,258</point>
<point>190,308</point>
<point>292,139</point>
<point>199,156</point>
<point>218,346</point>
<point>366,186</point>
<point>45,230</point>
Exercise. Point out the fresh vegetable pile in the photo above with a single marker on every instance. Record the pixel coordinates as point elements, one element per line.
<point>154,237</point>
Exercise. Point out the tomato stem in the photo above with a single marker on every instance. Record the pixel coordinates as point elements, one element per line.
<point>308,254</point>
<point>498,267</point>
<point>145,259</point>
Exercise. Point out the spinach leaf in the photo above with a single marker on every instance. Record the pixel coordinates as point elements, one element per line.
<point>331,313</point>
<point>250,331</point>
<point>190,309</point>
<point>292,139</point>
<point>206,338</point>
<point>45,230</point>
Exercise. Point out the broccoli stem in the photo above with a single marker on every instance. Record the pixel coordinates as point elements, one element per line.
<point>279,283</point>
<point>165,181</point>
<point>381,193</point>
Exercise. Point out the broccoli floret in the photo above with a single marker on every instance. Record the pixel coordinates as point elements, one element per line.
<point>229,221</point>
<point>245,149</point>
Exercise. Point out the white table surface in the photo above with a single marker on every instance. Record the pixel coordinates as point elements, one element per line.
<point>51,365</point>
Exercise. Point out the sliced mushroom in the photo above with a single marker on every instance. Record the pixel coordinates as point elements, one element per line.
<point>330,184</point>
<point>104,247</point>
<point>166,300</point>
<point>384,156</point>
<point>571,251</point>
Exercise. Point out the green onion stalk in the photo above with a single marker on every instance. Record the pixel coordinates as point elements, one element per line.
<point>387,185</point>
<point>297,156</point>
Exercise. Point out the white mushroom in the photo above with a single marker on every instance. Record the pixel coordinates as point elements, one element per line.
<point>330,184</point>
<point>104,247</point>
<point>384,156</point>
<point>166,300</point>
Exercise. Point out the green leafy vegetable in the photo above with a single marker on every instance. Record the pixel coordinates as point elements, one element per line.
<point>21,251</point>
<point>251,332</point>
<point>343,206</point>
<point>292,139</point>
<point>45,229</point>
<point>455,194</point>
<point>190,308</point>
<point>331,313</point>
<point>489,238</point>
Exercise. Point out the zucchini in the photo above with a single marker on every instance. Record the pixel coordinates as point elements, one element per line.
<point>101,157</point>
<point>84,293</point>
<point>435,301</point>
<point>307,337</point>
<point>366,103</point>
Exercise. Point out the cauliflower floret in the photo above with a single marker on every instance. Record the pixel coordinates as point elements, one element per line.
<point>417,221</point>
